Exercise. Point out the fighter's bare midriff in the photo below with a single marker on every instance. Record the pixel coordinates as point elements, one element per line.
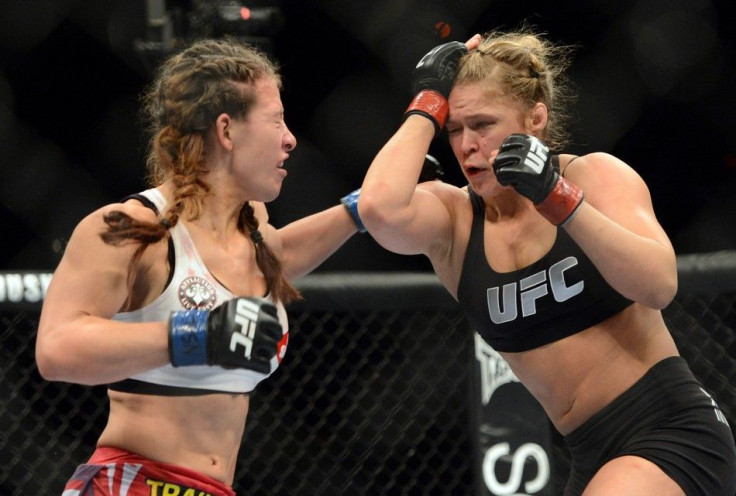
<point>202,433</point>
<point>577,376</point>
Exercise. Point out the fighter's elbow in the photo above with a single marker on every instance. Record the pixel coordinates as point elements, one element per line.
<point>373,211</point>
<point>657,296</point>
<point>47,364</point>
<point>665,294</point>
<point>52,361</point>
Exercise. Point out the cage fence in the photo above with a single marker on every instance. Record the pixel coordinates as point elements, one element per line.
<point>374,395</point>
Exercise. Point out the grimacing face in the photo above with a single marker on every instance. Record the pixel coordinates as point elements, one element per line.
<point>478,122</point>
<point>261,144</point>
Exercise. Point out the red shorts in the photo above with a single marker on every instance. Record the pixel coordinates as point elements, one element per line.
<point>116,472</point>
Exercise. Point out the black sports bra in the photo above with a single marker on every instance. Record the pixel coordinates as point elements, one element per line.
<point>559,295</point>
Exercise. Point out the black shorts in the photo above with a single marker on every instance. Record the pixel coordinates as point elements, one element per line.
<point>667,418</point>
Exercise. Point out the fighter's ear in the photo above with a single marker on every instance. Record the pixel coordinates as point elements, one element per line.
<point>222,129</point>
<point>536,119</point>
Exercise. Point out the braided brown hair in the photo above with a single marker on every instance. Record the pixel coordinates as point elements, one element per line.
<point>527,68</point>
<point>190,90</point>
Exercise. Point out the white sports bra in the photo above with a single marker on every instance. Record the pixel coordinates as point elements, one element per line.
<point>191,286</point>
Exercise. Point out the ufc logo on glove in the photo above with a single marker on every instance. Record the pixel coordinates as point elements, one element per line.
<point>246,316</point>
<point>538,153</point>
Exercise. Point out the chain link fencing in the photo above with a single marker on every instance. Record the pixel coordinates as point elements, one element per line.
<point>373,397</point>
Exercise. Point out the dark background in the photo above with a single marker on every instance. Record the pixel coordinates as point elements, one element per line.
<point>654,79</point>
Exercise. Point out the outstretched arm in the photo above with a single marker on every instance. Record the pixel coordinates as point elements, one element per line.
<point>305,243</point>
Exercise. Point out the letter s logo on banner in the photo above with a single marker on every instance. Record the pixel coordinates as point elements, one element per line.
<point>510,487</point>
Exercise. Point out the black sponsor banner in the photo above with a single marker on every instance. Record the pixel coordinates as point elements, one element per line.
<point>23,290</point>
<point>513,449</point>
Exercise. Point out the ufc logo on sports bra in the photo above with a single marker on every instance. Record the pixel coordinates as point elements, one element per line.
<point>247,316</point>
<point>530,289</point>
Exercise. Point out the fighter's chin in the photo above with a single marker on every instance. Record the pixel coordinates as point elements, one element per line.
<point>477,181</point>
<point>271,196</point>
<point>485,186</point>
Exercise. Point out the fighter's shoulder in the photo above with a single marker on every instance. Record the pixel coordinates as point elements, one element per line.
<point>98,219</point>
<point>602,175</point>
<point>592,163</point>
<point>448,193</point>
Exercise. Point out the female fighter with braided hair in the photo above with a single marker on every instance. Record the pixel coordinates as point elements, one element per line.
<point>558,262</point>
<point>175,296</point>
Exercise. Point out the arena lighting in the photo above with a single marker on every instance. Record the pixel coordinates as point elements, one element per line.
<point>168,29</point>
<point>210,18</point>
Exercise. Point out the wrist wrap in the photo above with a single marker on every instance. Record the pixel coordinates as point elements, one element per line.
<point>562,203</point>
<point>351,203</point>
<point>432,105</point>
<point>188,337</point>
